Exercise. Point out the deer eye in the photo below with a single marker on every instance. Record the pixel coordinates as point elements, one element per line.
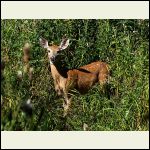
<point>48,51</point>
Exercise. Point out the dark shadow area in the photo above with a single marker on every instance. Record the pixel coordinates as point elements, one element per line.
<point>83,70</point>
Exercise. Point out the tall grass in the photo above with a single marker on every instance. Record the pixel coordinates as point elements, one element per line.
<point>123,44</point>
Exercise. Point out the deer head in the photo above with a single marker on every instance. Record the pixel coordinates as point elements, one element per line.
<point>53,50</point>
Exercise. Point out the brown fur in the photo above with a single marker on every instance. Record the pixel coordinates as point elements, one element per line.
<point>82,78</point>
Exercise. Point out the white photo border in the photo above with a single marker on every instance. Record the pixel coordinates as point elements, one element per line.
<point>75,10</point>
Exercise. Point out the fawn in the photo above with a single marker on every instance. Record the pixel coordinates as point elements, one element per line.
<point>80,79</point>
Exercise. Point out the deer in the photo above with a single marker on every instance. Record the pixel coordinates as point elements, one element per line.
<point>81,79</point>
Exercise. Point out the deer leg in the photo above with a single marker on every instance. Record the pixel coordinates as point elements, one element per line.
<point>57,89</point>
<point>102,80</point>
<point>66,103</point>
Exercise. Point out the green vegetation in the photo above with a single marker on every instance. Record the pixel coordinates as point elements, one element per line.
<point>123,44</point>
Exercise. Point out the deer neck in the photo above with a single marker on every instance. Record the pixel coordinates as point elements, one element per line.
<point>58,70</point>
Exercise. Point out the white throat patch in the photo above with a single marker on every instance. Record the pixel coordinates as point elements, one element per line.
<point>51,62</point>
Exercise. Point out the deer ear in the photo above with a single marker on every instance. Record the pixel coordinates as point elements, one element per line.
<point>64,44</point>
<point>43,42</point>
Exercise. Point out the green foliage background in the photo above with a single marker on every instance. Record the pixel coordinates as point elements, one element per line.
<point>123,44</point>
